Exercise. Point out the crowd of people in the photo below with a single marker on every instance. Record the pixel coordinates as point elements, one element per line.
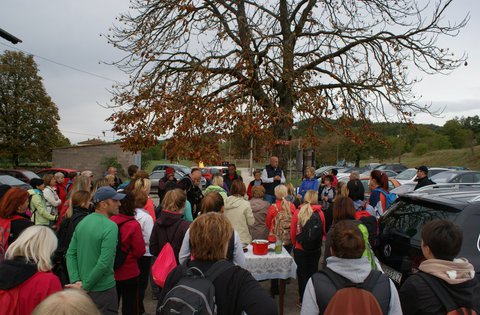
<point>77,246</point>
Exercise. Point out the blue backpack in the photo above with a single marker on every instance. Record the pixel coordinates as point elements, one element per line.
<point>389,197</point>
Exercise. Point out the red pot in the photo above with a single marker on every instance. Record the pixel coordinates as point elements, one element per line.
<point>260,247</point>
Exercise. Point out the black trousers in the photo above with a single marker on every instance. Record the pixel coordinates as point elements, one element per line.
<point>106,301</point>
<point>307,265</point>
<point>127,291</point>
<point>144,264</point>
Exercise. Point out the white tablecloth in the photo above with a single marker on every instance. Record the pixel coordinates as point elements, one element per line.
<point>271,265</point>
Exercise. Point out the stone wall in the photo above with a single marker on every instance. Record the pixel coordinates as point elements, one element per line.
<point>89,157</point>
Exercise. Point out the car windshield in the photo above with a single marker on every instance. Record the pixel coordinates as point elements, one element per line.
<point>443,177</point>
<point>323,169</point>
<point>9,180</point>
<point>185,169</point>
<point>407,174</point>
<point>408,218</point>
<point>30,175</point>
<point>157,175</point>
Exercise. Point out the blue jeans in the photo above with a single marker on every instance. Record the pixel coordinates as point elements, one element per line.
<point>270,198</point>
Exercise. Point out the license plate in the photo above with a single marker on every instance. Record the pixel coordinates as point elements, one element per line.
<point>392,273</point>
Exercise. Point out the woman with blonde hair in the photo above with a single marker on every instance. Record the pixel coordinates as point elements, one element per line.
<point>51,197</point>
<point>278,221</point>
<point>82,182</point>
<point>307,232</point>
<point>308,183</point>
<point>217,186</point>
<point>26,273</point>
<point>236,291</point>
<point>143,186</point>
<point>279,218</point>
<point>170,227</point>
<point>80,202</point>
<point>67,302</point>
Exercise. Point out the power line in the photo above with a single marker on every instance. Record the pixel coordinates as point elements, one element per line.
<point>81,133</point>
<point>60,64</point>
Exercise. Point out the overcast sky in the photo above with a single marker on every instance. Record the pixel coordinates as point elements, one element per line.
<point>68,32</point>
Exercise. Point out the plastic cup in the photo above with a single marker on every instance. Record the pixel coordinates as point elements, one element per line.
<point>278,247</point>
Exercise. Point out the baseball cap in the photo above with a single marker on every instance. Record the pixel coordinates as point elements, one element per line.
<point>422,168</point>
<point>105,193</point>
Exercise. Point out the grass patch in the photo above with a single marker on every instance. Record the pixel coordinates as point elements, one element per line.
<point>452,157</point>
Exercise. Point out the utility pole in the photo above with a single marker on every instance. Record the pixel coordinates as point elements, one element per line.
<point>251,156</point>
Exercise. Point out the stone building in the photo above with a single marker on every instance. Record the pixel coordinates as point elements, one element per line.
<point>90,157</point>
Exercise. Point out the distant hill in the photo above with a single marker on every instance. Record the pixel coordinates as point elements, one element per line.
<point>451,157</point>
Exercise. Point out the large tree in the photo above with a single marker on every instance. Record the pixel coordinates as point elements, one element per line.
<point>28,117</point>
<point>204,66</point>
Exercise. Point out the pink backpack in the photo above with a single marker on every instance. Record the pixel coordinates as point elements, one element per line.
<point>164,263</point>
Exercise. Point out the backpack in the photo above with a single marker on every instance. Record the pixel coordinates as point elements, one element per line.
<point>120,255</point>
<point>370,223</point>
<point>368,250</point>
<point>338,295</point>
<point>281,225</point>
<point>445,298</point>
<point>5,226</point>
<point>389,197</point>
<point>195,292</point>
<point>166,261</point>
<point>311,233</point>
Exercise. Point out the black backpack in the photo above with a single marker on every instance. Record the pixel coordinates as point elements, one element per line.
<point>194,293</point>
<point>312,233</point>
<point>444,296</point>
<point>120,255</point>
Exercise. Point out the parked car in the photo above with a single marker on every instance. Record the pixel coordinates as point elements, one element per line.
<point>456,177</point>
<point>210,171</point>
<point>177,167</point>
<point>53,170</point>
<point>157,175</point>
<point>348,170</point>
<point>392,183</point>
<point>404,188</point>
<point>23,175</point>
<point>398,247</point>
<point>14,182</point>
<point>396,167</point>
<point>324,170</point>
<point>410,174</point>
<point>390,173</point>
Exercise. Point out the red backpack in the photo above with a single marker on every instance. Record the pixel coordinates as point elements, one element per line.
<point>5,226</point>
<point>338,295</point>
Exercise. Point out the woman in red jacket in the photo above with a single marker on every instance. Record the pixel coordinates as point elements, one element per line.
<point>279,218</point>
<point>307,258</point>
<point>132,244</point>
<point>25,276</point>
